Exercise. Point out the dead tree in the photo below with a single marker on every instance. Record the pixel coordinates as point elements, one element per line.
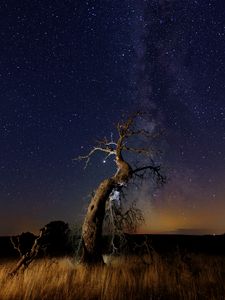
<point>52,241</point>
<point>30,255</point>
<point>113,186</point>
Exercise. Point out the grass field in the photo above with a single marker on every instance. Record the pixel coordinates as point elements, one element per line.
<point>176,277</point>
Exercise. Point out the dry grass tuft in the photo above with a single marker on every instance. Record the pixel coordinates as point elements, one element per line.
<point>192,277</point>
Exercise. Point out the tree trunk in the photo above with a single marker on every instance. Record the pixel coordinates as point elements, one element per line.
<point>93,222</point>
<point>92,226</point>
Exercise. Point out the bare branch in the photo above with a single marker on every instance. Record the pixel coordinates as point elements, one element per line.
<point>87,157</point>
<point>107,156</point>
<point>139,150</point>
<point>154,169</point>
<point>124,128</point>
<point>141,132</point>
<point>16,246</point>
<point>105,142</point>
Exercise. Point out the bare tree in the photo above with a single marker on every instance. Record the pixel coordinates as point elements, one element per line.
<point>112,188</point>
<point>52,240</point>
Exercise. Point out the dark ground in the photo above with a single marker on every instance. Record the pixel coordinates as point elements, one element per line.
<point>162,244</point>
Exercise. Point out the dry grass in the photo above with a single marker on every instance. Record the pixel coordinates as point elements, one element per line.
<point>193,277</point>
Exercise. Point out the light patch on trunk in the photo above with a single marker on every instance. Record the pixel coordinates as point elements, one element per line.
<point>114,197</point>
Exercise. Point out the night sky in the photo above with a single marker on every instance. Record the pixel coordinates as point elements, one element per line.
<point>70,69</point>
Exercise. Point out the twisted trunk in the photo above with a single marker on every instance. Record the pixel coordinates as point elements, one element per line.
<point>92,226</point>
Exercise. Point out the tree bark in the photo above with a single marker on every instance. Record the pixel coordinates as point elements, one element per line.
<point>93,222</point>
<point>92,226</point>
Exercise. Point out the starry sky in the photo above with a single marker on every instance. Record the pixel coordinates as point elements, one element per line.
<point>70,69</point>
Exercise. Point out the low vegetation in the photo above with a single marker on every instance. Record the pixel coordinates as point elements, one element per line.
<point>175,277</point>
